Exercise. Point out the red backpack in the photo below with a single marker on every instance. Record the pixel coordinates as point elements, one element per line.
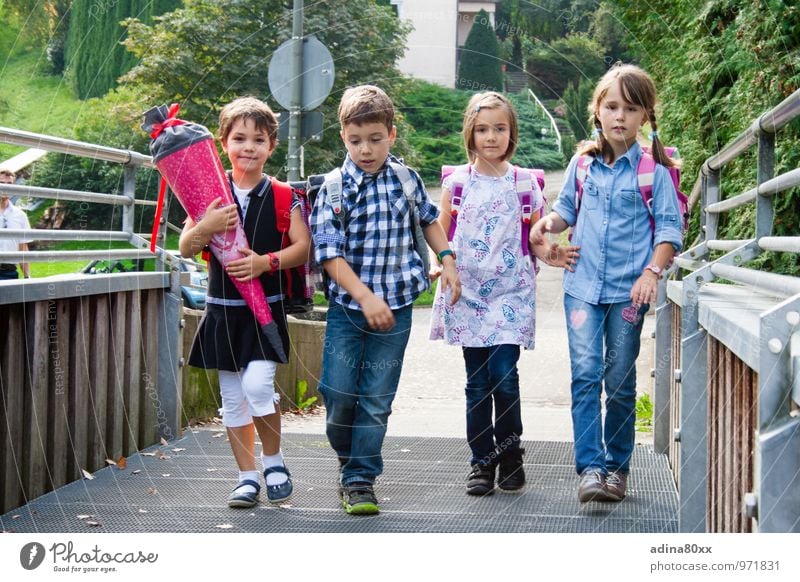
<point>645,174</point>
<point>300,279</point>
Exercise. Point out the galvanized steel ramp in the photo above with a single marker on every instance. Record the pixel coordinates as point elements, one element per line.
<point>183,487</point>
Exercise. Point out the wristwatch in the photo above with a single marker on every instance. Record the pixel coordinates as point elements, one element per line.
<point>655,268</point>
<point>274,262</point>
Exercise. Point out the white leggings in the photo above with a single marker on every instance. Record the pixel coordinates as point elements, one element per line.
<point>248,393</point>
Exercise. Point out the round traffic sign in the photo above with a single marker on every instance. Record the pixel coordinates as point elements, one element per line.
<point>317,77</point>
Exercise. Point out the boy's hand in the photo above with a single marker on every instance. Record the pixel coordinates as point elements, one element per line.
<point>566,257</point>
<point>435,272</point>
<point>251,266</point>
<point>379,315</point>
<point>219,219</point>
<point>451,281</point>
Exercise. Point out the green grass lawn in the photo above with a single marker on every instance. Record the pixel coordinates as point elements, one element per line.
<point>30,98</point>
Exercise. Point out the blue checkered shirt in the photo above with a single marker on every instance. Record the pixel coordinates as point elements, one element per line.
<point>373,234</point>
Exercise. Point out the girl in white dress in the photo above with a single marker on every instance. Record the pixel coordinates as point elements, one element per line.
<point>497,310</point>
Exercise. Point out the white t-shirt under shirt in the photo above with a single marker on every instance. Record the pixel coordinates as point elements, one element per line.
<point>12,218</point>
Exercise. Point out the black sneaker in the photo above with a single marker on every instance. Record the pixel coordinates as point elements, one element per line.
<point>359,499</point>
<point>510,474</point>
<point>480,480</point>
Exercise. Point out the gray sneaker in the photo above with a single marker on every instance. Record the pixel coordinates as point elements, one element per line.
<point>592,486</point>
<point>616,486</point>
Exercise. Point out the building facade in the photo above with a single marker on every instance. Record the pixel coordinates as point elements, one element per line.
<point>440,29</point>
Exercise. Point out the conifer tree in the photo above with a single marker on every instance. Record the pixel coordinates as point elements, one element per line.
<point>480,68</point>
<point>94,53</point>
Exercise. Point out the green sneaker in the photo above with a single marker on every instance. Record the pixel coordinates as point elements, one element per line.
<point>359,499</point>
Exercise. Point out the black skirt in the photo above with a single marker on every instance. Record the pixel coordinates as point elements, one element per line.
<point>229,338</point>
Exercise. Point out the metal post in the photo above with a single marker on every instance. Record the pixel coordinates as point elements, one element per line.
<point>663,371</point>
<point>129,190</point>
<point>765,205</point>
<point>777,459</point>
<point>295,110</point>
<point>712,196</point>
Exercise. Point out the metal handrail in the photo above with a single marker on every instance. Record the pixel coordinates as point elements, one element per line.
<point>129,159</point>
<point>73,147</point>
<point>550,117</point>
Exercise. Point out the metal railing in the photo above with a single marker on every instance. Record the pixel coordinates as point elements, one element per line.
<point>90,365</point>
<point>727,388</point>
<point>130,160</point>
<point>532,95</point>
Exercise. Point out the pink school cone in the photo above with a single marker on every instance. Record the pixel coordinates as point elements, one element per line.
<point>196,176</point>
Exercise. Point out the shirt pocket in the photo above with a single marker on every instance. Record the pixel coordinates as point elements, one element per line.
<point>630,202</point>
<point>590,199</point>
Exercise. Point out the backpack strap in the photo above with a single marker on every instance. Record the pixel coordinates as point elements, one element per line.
<point>409,184</point>
<point>645,176</point>
<point>282,195</point>
<point>581,171</point>
<point>461,175</point>
<point>333,190</point>
<point>524,188</point>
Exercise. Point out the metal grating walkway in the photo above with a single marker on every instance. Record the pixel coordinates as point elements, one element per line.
<point>421,490</point>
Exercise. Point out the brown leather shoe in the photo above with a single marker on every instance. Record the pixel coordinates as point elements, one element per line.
<point>616,486</point>
<point>592,486</point>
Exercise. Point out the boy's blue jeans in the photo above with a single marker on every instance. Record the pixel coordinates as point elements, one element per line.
<point>492,390</point>
<point>603,348</point>
<point>360,372</point>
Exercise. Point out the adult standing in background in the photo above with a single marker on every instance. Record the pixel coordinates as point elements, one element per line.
<point>13,218</point>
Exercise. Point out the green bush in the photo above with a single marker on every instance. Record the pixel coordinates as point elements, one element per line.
<point>552,66</point>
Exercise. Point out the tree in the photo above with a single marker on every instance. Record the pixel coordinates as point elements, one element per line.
<point>93,50</point>
<point>480,67</point>
<point>211,51</point>
<point>577,97</point>
<point>204,55</point>
<point>552,66</point>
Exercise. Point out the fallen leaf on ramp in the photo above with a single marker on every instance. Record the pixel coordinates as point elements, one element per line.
<point>224,526</point>
<point>110,462</point>
<point>87,474</point>
<point>122,463</point>
<point>152,491</point>
<point>164,442</point>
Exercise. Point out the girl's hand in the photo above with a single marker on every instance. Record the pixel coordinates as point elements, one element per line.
<point>251,266</point>
<point>219,219</point>
<point>645,288</point>
<point>543,225</point>
<point>450,280</point>
<point>565,257</point>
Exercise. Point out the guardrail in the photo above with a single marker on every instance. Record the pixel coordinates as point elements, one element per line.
<point>90,365</point>
<point>727,390</point>
<point>557,133</point>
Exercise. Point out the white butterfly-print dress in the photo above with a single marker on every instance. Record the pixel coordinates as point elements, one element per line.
<point>498,294</point>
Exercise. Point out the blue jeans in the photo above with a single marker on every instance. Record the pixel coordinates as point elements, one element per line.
<point>492,387</point>
<point>360,372</point>
<point>603,348</point>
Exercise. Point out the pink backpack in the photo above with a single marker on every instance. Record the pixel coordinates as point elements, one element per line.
<point>645,174</point>
<point>524,187</point>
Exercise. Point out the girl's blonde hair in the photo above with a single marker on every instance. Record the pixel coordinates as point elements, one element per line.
<point>637,88</point>
<point>489,100</point>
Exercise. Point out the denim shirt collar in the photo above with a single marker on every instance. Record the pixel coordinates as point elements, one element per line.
<point>631,156</point>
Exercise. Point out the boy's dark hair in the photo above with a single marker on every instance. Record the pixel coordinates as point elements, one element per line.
<point>248,108</point>
<point>366,104</point>
<point>7,172</point>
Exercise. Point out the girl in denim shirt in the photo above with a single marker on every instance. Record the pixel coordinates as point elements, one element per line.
<point>621,261</point>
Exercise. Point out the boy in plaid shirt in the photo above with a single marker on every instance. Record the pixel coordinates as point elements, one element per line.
<point>364,240</point>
